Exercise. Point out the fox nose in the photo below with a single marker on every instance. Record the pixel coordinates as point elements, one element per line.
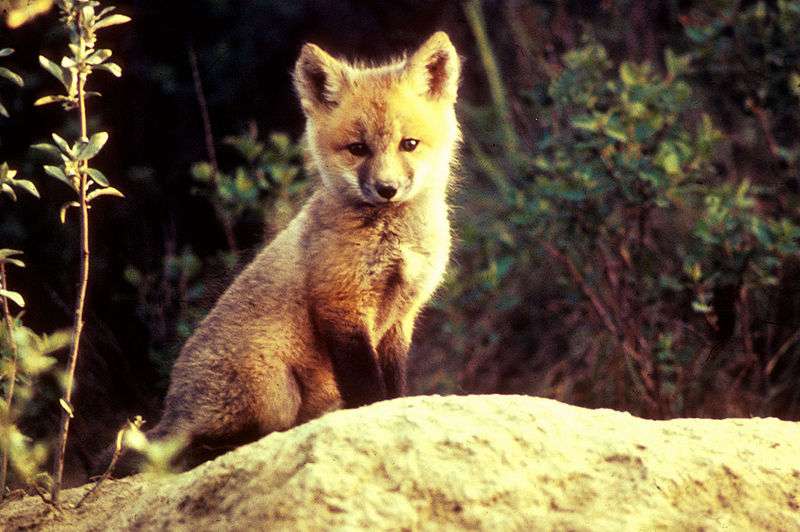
<point>386,190</point>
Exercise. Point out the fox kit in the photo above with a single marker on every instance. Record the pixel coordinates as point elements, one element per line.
<point>322,318</point>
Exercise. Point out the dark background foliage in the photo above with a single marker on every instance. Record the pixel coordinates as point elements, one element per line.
<point>552,291</point>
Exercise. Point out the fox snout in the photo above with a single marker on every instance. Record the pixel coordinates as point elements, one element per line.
<point>381,190</point>
<point>383,181</point>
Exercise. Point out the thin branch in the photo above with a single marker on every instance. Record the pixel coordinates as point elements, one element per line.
<point>782,350</point>
<point>118,448</point>
<point>763,122</point>
<point>588,291</point>
<point>605,316</point>
<point>224,219</point>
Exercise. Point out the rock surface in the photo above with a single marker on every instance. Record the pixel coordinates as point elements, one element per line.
<point>474,463</point>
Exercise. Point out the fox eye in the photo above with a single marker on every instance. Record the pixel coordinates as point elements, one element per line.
<point>408,144</point>
<point>359,149</point>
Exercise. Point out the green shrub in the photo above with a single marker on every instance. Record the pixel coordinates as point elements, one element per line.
<point>620,228</point>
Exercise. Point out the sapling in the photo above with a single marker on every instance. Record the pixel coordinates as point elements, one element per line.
<point>82,21</point>
<point>8,186</point>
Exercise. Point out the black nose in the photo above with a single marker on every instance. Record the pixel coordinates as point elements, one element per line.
<point>386,191</point>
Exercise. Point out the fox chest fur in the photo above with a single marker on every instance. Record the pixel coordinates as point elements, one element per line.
<point>387,262</point>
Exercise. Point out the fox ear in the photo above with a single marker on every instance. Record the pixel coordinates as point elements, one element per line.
<point>318,78</point>
<point>435,66</point>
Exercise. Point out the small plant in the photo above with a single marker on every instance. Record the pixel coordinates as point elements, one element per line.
<point>11,440</point>
<point>26,358</point>
<point>157,456</point>
<point>82,20</point>
<point>269,184</point>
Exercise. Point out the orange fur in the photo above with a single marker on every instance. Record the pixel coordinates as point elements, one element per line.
<point>349,274</point>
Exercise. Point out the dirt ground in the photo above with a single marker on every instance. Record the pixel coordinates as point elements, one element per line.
<point>456,463</point>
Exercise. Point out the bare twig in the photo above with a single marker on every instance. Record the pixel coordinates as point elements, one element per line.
<point>224,219</point>
<point>627,346</point>
<point>42,493</point>
<point>763,122</point>
<point>782,350</point>
<point>587,290</point>
<point>118,448</point>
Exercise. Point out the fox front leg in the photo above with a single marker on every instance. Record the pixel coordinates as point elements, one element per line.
<point>393,353</point>
<point>355,362</point>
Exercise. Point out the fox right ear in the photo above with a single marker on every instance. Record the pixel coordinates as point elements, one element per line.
<point>319,79</point>
<point>435,67</point>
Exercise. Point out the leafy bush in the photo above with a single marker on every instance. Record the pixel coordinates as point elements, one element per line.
<point>655,267</point>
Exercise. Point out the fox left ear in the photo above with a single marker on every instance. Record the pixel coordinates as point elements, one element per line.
<point>435,66</point>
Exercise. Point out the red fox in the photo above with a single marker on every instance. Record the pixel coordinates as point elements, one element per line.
<point>322,318</point>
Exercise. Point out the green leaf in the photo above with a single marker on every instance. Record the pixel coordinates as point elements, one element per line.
<point>15,262</point>
<point>112,20</point>
<point>3,110</point>
<point>99,56</point>
<point>114,68</point>
<point>202,172</point>
<point>63,146</point>
<point>11,76</point>
<point>626,74</point>
<point>54,69</point>
<point>105,11</point>
<point>281,141</point>
<point>27,186</point>
<point>614,129</point>
<point>47,148</point>
<point>44,100</point>
<point>701,307</point>
<point>5,187</point>
<point>98,177</point>
<point>65,405</point>
<point>677,65</point>
<point>87,14</point>
<point>585,122</point>
<point>7,257</point>
<point>93,147</point>
<point>108,191</point>
<point>5,253</point>
<point>6,51</point>
<point>794,83</point>
<point>671,163</point>
<point>62,213</point>
<point>58,173</point>
<point>698,34</point>
<point>16,297</point>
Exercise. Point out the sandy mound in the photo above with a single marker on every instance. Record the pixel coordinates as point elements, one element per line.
<point>477,462</point>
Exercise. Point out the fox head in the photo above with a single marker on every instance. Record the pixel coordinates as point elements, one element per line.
<point>381,135</point>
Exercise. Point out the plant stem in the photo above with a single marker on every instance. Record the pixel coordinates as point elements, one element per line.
<point>58,466</point>
<point>474,14</point>
<point>12,374</point>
